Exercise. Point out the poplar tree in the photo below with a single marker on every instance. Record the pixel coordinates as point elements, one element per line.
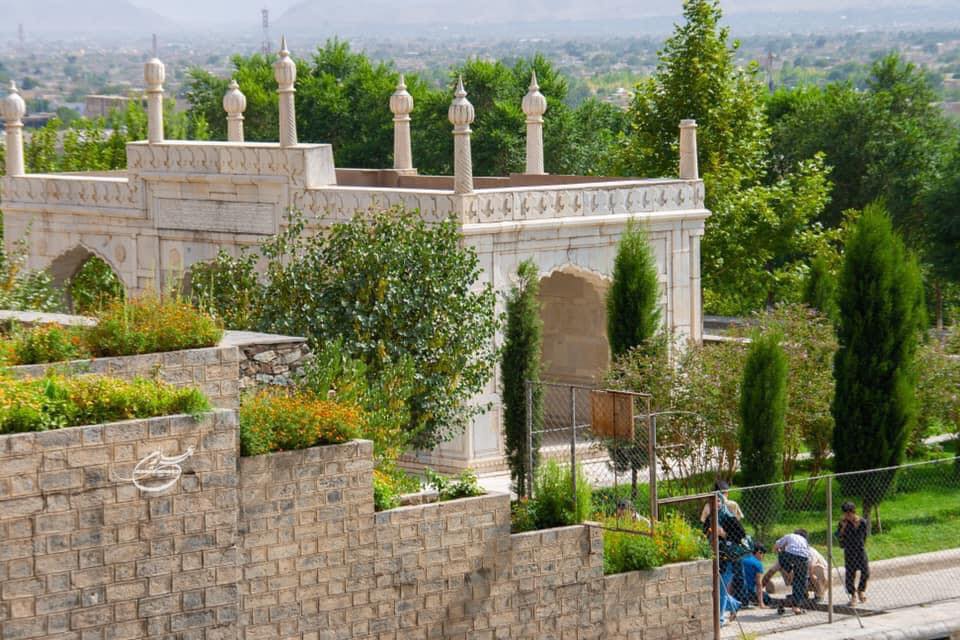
<point>519,367</point>
<point>763,410</point>
<point>881,315</point>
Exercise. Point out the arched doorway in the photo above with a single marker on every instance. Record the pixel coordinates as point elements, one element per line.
<point>87,280</point>
<point>574,318</point>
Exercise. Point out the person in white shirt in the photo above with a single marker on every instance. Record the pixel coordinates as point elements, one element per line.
<point>794,557</point>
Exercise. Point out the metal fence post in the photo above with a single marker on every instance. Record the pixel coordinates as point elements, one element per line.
<point>652,463</point>
<point>830,549</point>
<point>529,477</point>
<point>573,445</point>
<point>715,543</point>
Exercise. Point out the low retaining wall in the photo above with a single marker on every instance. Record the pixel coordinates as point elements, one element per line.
<point>242,361</point>
<point>215,370</point>
<point>287,545</point>
<point>318,560</point>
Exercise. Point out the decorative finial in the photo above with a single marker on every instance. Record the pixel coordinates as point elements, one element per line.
<point>154,45</point>
<point>461,112</point>
<point>401,102</point>
<point>234,102</point>
<point>534,103</point>
<point>283,46</point>
<point>13,106</point>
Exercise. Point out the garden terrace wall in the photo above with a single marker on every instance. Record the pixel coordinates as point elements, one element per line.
<point>87,555</point>
<point>268,359</point>
<point>287,545</point>
<point>318,562</point>
<point>214,370</point>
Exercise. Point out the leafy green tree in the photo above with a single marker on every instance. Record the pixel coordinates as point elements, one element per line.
<point>633,309</point>
<point>881,142</point>
<point>761,231</point>
<point>942,202</point>
<point>881,314</point>
<point>520,366</point>
<point>763,409</point>
<point>392,287</point>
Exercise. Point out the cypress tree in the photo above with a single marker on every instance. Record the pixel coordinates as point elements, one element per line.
<point>520,365</point>
<point>820,289</point>
<point>763,410</point>
<point>881,314</point>
<point>633,312</point>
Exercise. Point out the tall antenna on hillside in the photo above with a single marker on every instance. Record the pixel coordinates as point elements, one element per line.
<point>265,23</point>
<point>20,37</point>
<point>770,84</point>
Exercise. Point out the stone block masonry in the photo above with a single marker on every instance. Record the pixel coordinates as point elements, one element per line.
<point>85,554</point>
<point>287,545</point>
<point>214,370</point>
<point>319,563</point>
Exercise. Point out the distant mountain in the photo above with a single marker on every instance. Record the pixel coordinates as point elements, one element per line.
<point>84,16</point>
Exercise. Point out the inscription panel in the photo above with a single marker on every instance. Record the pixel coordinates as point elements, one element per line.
<point>223,217</point>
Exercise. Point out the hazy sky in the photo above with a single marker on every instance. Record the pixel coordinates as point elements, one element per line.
<point>231,11</point>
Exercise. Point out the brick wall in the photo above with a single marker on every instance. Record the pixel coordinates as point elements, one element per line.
<point>214,370</point>
<point>87,556</point>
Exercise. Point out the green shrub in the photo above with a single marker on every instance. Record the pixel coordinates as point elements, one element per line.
<point>385,495</point>
<point>278,419</point>
<point>464,485</point>
<point>628,552</point>
<point>94,286</point>
<point>149,324</point>
<point>628,545</point>
<point>523,515</point>
<point>57,401</point>
<point>556,505</point>
<point>48,343</point>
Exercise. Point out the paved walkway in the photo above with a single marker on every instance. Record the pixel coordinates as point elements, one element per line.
<point>889,599</point>
<point>941,620</point>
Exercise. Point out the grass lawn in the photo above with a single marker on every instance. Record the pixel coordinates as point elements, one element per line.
<point>920,513</point>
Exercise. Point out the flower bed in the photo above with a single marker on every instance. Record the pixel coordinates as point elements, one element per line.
<point>143,325</point>
<point>280,419</point>
<point>58,401</point>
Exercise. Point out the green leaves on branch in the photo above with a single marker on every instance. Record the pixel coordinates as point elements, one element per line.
<point>392,287</point>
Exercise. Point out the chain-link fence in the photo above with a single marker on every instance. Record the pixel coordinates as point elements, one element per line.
<point>874,541</point>
<point>608,434</point>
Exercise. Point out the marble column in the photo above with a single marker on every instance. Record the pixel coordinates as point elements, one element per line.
<point>688,150</point>
<point>285,73</point>
<point>534,106</point>
<point>401,104</point>
<point>461,115</point>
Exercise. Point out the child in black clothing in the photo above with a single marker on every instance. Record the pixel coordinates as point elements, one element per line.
<point>852,533</point>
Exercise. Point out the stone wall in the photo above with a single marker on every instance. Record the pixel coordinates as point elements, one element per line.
<point>86,555</point>
<point>319,563</point>
<point>268,359</point>
<point>243,360</point>
<point>214,370</point>
<point>287,545</point>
